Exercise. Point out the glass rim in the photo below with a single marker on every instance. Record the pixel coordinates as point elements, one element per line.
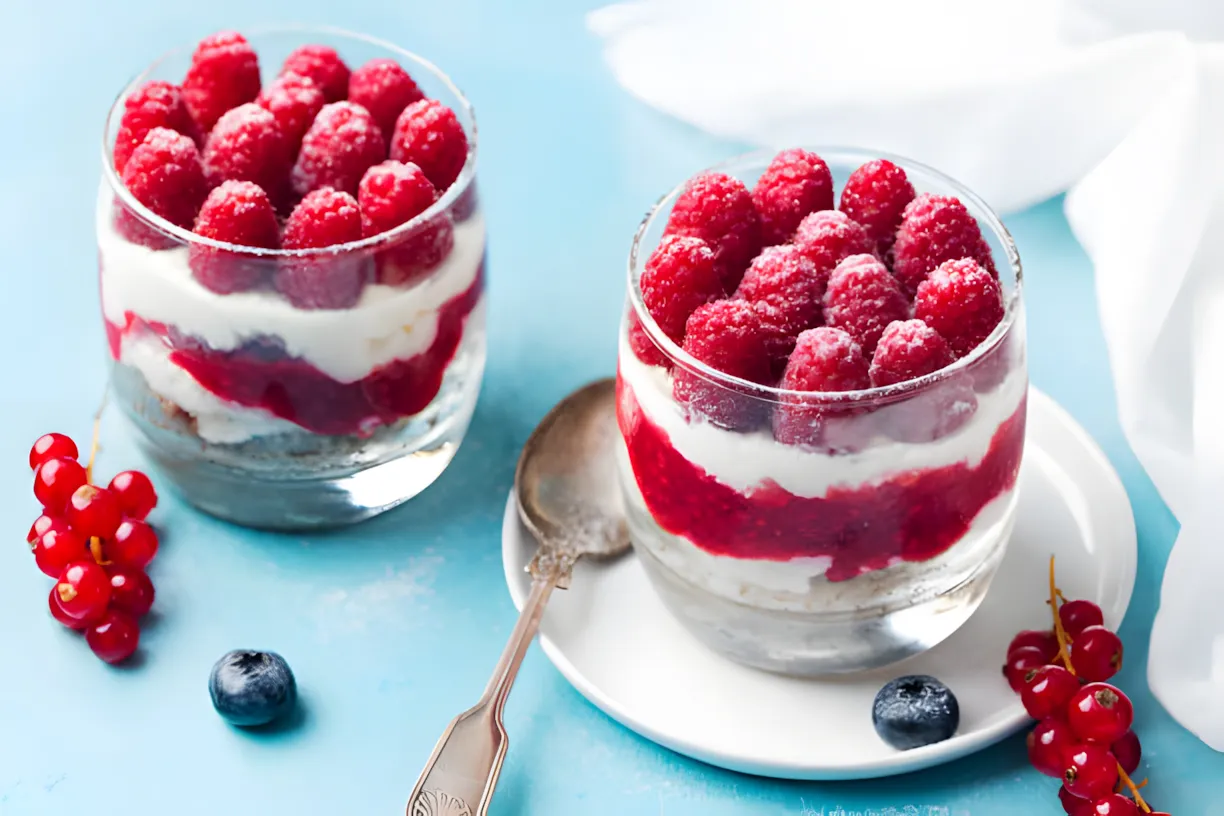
<point>831,155</point>
<point>445,202</point>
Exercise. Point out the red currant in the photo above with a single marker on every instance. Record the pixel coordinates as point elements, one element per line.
<point>41,525</point>
<point>1074,805</point>
<point>52,446</point>
<point>94,511</point>
<point>1020,663</point>
<point>1046,641</point>
<point>1115,804</point>
<point>83,589</point>
<point>1047,692</point>
<point>1127,751</point>
<point>131,591</point>
<point>1098,712</point>
<point>133,545</point>
<point>115,637</point>
<point>58,613</point>
<point>59,547</point>
<point>1096,653</point>
<point>1048,744</point>
<point>1092,771</point>
<point>136,494</point>
<point>1076,616</point>
<point>55,481</point>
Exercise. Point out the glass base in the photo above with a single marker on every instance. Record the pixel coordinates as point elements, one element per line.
<point>300,480</point>
<point>806,625</point>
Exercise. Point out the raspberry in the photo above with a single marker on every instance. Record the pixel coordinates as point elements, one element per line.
<point>429,135</point>
<point>339,147</point>
<point>907,350</point>
<point>875,196</point>
<point>828,237</point>
<point>247,144</point>
<point>224,74</point>
<point>383,88</point>
<point>962,302</point>
<point>154,104</point>
<point>786,289</point>
<point>165,174</point>
<point>391,194</point>
<point>935,229</point>
<point>642,346</point>
<point>863,298</point>
<point>237,212</point>
<point>295,101</point>
<point>325,217</point>
<point>825,359</point>
<point>680,275</point>
<point>323,65</point>
<point>726,335</point>
<point>718,209</point>
<point>795,184</point>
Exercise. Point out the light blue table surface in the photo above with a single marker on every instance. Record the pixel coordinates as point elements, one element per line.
<point>393,626</point>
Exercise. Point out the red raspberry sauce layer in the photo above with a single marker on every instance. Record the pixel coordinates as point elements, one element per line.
<point>914,515</point>
<point>291,388</point>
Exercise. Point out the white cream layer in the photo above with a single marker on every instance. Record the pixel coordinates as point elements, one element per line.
<point>746,460</point>
<point>388,323</point>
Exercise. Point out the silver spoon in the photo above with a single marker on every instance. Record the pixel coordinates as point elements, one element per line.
<point>566,492</point>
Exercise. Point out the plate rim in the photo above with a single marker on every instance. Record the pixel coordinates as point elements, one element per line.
<point>895,764</point>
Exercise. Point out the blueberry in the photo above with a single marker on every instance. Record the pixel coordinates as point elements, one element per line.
<point>252,688</point>
<point>915,710</point>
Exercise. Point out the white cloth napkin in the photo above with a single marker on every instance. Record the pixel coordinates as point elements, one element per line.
<point>1119,102</point>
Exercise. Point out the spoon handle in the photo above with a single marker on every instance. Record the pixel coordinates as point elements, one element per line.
<point>462,772</point>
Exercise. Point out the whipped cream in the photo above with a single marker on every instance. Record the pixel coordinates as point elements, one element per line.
<point>388,323</point>
<point>743,461</point>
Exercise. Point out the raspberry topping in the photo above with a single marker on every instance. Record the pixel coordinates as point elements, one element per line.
<point>725,335</point>
<point>795,184</point>
<point>392,194</point>
<point>237,212</point>
<point>154,104</point>
<point>224,74</point>
<point>323,65</point>
<point>785,287</point>
<point>680,275</point>
<point>824,360</point>
<point>340,146</point>
<point>295,101</point>
<point>642,346</point>
<point>718,209</point>
<point>325,217</point>
<point>383,88</point>
<point>908,349</point>
<point>829,236</point>
<point>863,297</point>
<point>961,301</point>
<point>165,174</point>
<point>247,145</point>
<point>429,135</point>
<point>875,196</point>
<point>935,229</point>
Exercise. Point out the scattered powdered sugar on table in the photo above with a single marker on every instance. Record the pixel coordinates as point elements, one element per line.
<point>380,602</point>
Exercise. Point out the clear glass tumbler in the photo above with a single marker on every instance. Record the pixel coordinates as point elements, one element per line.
<point>270,407</point>
<point>810,560</point>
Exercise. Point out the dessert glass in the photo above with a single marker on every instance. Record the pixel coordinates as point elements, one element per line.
<point>275,416</point>
<point>806,561</point>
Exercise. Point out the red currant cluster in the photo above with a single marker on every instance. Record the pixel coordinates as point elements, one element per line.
<point>1083,735</point>
<point>95,543</point>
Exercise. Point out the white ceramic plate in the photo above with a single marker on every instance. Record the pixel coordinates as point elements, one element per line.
<point>611,637</point>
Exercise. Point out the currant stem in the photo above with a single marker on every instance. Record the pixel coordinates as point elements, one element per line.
<point>94,445</point>
<point>1134,790</point>
<point>1055,593</point>
<point>95,549</point>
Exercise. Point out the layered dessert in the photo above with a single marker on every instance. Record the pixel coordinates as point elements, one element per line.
<point>293,259</point>
<point>822,403</point>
